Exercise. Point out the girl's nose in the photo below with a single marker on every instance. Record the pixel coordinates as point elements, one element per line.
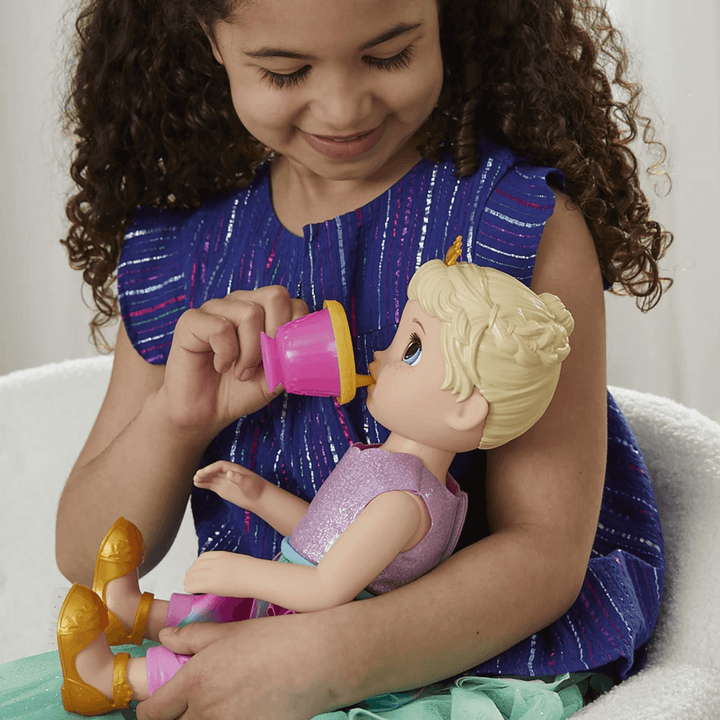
<point>343,105</point>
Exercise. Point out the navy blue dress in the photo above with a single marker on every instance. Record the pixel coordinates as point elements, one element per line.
<point>172,261</point>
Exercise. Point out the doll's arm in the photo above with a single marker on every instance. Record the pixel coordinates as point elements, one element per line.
<point>246,489</point>
<point>391,523</point>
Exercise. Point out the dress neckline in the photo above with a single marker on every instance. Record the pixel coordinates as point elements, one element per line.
<point>310,229</point>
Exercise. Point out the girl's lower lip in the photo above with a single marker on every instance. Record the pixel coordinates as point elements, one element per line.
<point>338,149</point>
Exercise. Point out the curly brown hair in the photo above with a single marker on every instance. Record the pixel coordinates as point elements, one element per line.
<point>153,120</point>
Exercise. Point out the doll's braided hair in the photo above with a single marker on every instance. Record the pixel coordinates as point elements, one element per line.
<point>498,336</point>
<point>151,115</point>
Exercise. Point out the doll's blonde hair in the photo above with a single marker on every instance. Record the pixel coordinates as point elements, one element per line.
<point>499,336</point>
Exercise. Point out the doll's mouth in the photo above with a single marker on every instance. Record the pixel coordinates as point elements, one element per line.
<point>372,369</point>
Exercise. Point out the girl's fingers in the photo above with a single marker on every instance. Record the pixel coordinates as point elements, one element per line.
<point>200,331</point>
<point>298,308</point>
<point>253,312</point>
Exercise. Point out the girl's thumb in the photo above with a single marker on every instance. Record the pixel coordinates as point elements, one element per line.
<point>191,639</point>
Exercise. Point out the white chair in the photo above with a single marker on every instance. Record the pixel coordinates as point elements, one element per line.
<point>682,675</point>
<point>47,412</point>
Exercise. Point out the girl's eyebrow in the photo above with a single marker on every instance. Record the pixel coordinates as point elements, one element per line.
<point>415,320</point>
<point>397,31</point>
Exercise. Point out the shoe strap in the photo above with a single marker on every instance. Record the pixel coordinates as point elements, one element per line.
<point>141,616</point>
<point>122,692</point>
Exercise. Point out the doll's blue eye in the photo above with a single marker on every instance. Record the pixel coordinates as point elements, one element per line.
<point>413,351</point>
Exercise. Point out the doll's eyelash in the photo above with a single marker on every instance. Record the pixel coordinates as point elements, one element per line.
<point>413,351</point>
<point>287,80</point>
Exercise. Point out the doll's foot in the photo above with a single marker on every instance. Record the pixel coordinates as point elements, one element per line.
<point>116,583</point>
<point>91,673</point>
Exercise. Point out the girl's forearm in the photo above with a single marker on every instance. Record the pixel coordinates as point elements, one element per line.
<point>145,475</point>
<point>503,589</point>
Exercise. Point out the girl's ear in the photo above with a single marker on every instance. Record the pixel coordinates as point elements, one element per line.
<point>213,43</point>
<point>470,414</point>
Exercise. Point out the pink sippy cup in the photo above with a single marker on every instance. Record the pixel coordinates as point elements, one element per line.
<point>313,355</point>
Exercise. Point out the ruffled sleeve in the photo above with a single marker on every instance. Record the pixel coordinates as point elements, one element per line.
<point>152,281</point>
<point>517,202</point>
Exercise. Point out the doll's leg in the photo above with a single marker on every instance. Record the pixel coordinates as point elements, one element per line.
<point>95,666</point>
<point>184,609</point>
<point>123,596</point>
<point>161,665</point>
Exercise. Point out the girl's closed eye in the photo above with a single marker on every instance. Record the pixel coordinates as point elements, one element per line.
<point>413,351</point>
<point>284,80</point>
<point>398,61</point>
<point>395,62</point>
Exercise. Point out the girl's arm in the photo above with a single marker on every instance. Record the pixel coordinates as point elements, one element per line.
<point>156,422</point>
<point>391,523</point>
<point>543,492</point>
<point>242,487</point>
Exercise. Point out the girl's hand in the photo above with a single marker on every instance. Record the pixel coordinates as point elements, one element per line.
<point>235,669</point>
<point>232,482</point>
<point>213,374</point>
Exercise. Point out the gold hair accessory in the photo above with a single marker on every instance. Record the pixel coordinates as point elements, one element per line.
<point>453,254</point>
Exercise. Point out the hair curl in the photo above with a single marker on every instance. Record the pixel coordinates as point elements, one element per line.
<point>154,124</point>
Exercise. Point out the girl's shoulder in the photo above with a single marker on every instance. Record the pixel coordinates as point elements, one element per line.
<point>500,209</point>
<point>159,258</point>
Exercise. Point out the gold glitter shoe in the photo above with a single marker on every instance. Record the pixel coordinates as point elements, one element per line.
<point>121,552</point>
<point>82,618</point>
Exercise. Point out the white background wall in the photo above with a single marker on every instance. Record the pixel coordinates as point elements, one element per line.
<point>671,351</point>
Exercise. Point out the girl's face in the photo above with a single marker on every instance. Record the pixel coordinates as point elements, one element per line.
<point>338,87</point>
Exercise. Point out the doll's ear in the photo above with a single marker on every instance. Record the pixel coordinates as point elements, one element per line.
<point>470,414</point>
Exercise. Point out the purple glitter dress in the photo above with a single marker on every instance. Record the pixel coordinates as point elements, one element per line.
<point>362,474</point>
<point>172,261</point>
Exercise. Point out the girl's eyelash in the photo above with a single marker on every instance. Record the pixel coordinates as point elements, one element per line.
<point>396,62</point>
<point>279,80</point>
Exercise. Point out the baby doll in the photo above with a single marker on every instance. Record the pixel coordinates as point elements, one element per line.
<point>474,363</point>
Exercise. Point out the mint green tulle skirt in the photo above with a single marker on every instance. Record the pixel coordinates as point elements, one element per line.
<point>30,690</point>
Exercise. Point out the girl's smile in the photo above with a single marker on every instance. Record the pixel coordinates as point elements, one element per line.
<point>345,147</point>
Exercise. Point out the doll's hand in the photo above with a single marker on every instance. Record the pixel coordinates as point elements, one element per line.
<point>232,482</point>
<point>217,572</point>
<point>213,374</point>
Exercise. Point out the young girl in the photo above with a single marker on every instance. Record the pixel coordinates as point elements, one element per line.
<point>244,160</point>
<point>474,363</point>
